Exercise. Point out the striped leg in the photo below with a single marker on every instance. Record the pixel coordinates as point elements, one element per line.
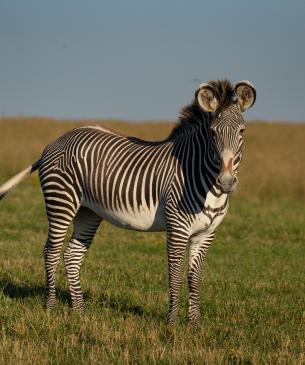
<point>176,245</point>
<point>197,252</point>
<point>85,225</point>
<point>61,205</point>
<point>56,236</point>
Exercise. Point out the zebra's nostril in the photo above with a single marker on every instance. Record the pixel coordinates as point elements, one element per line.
<point>226,180</point>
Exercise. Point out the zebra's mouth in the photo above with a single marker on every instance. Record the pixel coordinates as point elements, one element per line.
<point>227,183</point>
<point>228,188</point>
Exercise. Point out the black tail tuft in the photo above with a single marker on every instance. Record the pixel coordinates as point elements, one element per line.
<point>35,166</point>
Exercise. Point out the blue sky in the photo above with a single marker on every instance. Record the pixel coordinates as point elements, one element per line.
<point>142,60</point>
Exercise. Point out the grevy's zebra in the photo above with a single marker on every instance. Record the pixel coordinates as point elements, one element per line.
<point>180,185</point>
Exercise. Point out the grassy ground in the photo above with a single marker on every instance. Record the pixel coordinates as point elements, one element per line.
<point>253,297</point>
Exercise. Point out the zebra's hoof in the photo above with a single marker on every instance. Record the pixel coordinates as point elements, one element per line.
<point>171,321</point>
<point>195,320</point>
<point>50,307</point>
<point>78,308</point>
<point>195,323</point>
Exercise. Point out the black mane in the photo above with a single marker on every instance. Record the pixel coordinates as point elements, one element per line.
<point>192,116</point>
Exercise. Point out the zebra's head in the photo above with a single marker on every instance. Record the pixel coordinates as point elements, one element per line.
<point>225,106</point>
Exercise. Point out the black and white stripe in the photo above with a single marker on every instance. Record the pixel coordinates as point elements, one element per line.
<point>180,185</point>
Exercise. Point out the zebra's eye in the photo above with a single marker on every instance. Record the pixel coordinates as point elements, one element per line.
<point>242,131</point>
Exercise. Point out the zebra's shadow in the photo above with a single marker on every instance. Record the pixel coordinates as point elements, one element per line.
<point>20,290</point>
<point>125,306</point>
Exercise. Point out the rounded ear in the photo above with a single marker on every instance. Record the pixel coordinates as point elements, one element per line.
<point>205,96</point>
<point>245,94</point>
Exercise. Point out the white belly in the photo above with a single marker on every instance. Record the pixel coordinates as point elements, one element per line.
<point>153,219</point>
<point>143,219</point>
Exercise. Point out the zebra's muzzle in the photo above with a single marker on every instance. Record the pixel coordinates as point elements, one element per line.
<point>227,180</point>
<point>227,183</point>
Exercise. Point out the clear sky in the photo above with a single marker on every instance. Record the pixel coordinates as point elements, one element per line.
<point>142,60</point>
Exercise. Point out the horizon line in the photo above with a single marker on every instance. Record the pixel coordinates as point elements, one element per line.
<point>122,120</point>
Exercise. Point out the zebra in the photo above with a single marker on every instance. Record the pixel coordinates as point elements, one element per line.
<point>179,185</point>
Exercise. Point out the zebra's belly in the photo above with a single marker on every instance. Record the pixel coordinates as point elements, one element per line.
<point>143,219</point>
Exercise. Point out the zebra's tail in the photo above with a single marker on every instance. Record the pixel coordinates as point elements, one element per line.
<point>11,183</point>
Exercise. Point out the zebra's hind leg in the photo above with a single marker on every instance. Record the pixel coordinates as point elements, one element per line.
<point>197,251</point>
<point>85,224</point>
<point>56,236</point>
<point>61,209</point>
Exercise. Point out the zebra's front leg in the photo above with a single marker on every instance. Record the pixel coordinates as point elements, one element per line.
<point>197,251</point>
<point>176,245</point>
<point>85,225</point>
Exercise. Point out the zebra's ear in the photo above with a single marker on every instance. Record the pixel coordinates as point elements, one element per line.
<point>205,96</point>
<point>245,94</point>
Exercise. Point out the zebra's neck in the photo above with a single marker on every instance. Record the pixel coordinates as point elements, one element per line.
<point>199,165</point>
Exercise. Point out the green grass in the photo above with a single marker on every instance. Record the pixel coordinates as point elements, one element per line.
<point>253,294</point>
<point>252,298</point>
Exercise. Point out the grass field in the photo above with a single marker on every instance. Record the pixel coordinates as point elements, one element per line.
<point>253,295</point>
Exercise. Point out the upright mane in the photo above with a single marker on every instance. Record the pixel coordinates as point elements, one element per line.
<point>192,116</point>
